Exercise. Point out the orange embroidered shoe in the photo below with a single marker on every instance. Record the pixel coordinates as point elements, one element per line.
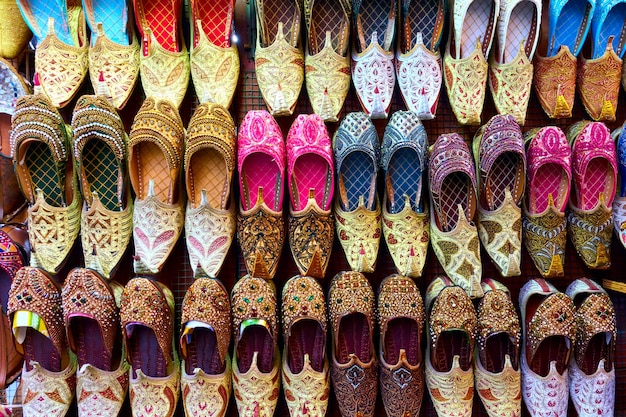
<point>305,365</point>
<point>465,60</point>
<point>452,327</point>
<point>205,337</point>
<point>92,322</point>
<point>496,370</point>
<point>48,377</point>
<point>155,151</point>
<point>401,325</point>
<point>147,319</point>
<point>354,367</point>
<point>279,59</point>
<point>256,359</point>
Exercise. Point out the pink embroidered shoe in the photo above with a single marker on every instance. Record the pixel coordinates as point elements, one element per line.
<point>373,68</point>
<point>592,372</point>
<point>590,215</point>
<point>548,187</point>
<point>311,180</point>
<point>261,163</point>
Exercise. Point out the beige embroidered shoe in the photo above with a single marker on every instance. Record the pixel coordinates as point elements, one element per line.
<point>305,366</point>
<point>401,325</point>
<point>205,336</point>
<point>496,370</point>
<point>147,319</point>
<point>449,350</point>
<point>256,359</point>
<point>354,367</point>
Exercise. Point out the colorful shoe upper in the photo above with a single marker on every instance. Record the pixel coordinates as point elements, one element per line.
<point>311,184</point>
<point>453,201</point>
<point>501,172</point>
<point>261,164</point>
<point>406,221</point>
<point>590,214</point>
<point>357,210</point>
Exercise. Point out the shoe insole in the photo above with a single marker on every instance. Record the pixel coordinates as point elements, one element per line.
<point>203,353</point>
<point>145,352</point>
<point>259,170</point>
<point>43,173</point>
<point>614,25</point>
<point>255,338</point>
<point>207,171</point>
<point>307,337</point>
<point>598,349</point>
<point>161,17</point>
<point>375,16</point>
<point>450,344</point>
<point>402,333</point>
<point>39,348</point>
<point>550,179</point>
<point>570,27</point>
<point>216,17</point>
<point>311,172</point>
<point>456,189</point>
<point>151,164</point>
<point>113,14</point>
<point>357,179</point>
<point>521,29</point>
<point>327,16</point>
<point>275,12</point>
<point>102,171</point>
<point>478,21</point>
<point>422,18</point>
<point>597,180</point>
<point>493,356</point>
<point>89,343</point>
<point>354,338</point>
<point>38,13</point>
<point>404,177</point>
<point>506,172</point>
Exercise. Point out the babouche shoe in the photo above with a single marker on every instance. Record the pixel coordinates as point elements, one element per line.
<point>619,202</point>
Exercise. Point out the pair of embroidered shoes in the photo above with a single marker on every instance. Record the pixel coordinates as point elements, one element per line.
<point>310,179</point>
<point>473,24</point>
<point>579,323</point>
<point>598,76</point>
<point>455,368</point>
<point>591,158</point>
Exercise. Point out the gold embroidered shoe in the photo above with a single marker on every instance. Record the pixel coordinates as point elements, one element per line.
<point>163,59</point>
<point>357,210</point>
<point>510,66</point>
<point>209,165</point>
<point>214,58</point>
<point>327,63</point>
<point>147,319</point>
<point>155,151</point>
<point>592,372</point>
<point>92,322</point>
<point>61,54</point>
<point>43,163</point>
<point>278,58</point>
<point>261,164</point>
<point>14,33</point>
<point>549,334</point>
<point>354,367</point>
<point>496,370</point>
<point>256,359</point>
<point>401,324</point>
<point>449,350</point>
<point>100,157</point>
<point>205,336</point>
<point>464,63</point>
<point>305,366</point>
<point>311,181</point>
<point>453,203</point>
<point>590,215</point>
<point>501,172</point>
<point>406,221</point>
<point>48,377</point>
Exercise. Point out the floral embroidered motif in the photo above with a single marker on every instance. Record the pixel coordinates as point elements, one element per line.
<point>555,83</point>
<point>374,78</point>
<point>591,234</point>
<point>510,84</point>
<point>359,233</point>
<point>204,393</point>
<point>598,84</point>
<point>311,235</point>
<point>545,236</point>
<point>48,393</point>
<point>466,80</point>
<point>100,393</point>
<point>154,397</point>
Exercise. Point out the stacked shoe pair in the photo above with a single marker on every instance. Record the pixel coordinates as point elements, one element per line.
<point>589,158</point>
